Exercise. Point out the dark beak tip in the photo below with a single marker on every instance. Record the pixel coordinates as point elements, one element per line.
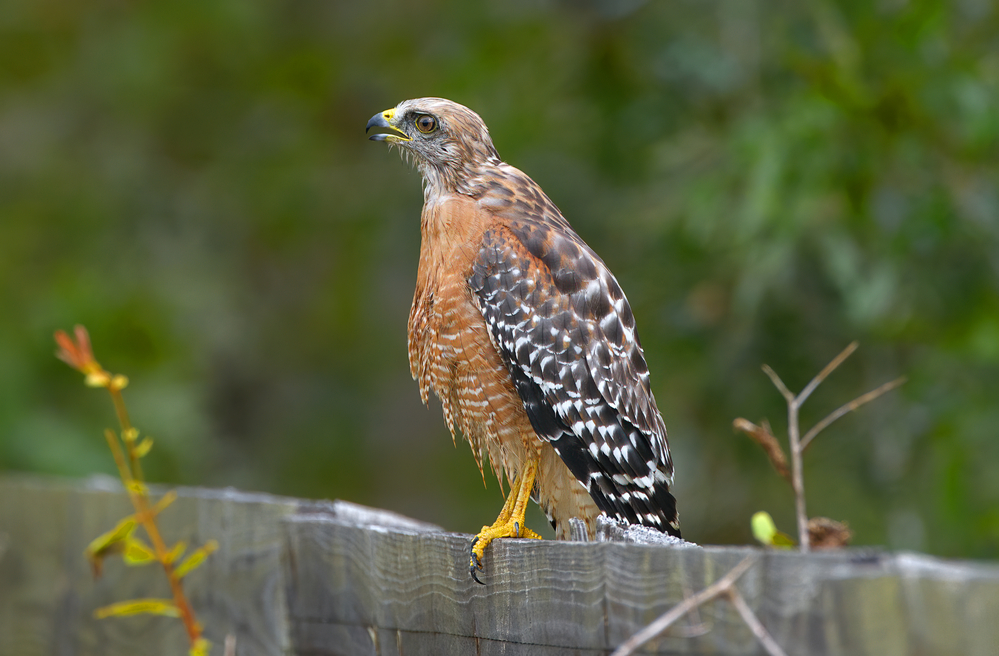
<point>376,121</point>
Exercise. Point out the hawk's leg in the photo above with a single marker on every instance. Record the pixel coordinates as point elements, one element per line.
<point>510,523</point>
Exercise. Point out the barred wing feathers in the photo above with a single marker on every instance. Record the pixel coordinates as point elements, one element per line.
<point>567,335</point>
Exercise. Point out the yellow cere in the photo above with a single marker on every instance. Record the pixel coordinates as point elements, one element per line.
<point>399,135</point>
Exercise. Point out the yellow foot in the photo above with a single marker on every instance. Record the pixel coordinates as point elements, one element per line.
<point>509,524</point>
<point>510,529</point>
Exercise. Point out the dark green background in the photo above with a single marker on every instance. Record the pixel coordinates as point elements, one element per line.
<point>768,180</point>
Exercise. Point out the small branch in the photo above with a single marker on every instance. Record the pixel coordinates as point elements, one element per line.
<point>147,518</point>
<point>793,432</point>
<point>764,436</point>
<point>697,627</point>
<point>695,615</point>
<point>829,368</point>
<point>778,383</point>
<point>691,630</point>
<point>119,458</point>
<point>850,407</point>
<point>127,430</point>
<point>749,617</point>
<point>141,503</point>
<point>797,476</point>
<point>79,354</point>
<point>797,469</point>
<point>664,621</point>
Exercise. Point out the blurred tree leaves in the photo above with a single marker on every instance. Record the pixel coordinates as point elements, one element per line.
<point>769,181</point>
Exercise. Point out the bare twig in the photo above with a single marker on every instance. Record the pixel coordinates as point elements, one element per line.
<point>691,630</point>
<point>230,645</point>
<point>829,368</point>
<point>793,405</point>
<point>850,407</point>
<point>778,383</point>
<point>754,624</point>
<point>663,622</point>
<point>798,444</point>
<point>797,476</point>
<point>764,436</point>
<point>697,627</point>
<point>797,473</point>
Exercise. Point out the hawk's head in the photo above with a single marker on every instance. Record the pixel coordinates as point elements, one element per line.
<point>448,141</point>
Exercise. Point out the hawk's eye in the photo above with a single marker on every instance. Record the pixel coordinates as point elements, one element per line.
<point>426,124</point>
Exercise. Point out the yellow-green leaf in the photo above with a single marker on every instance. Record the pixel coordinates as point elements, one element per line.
<point>765,531</point>
<point>130,435</point>
<point>119,382</point>
<point>165,501</point>
<point>121,531</point>
<point>764,528</point>
<point>137,606</point>
<point>201,647</point>
<point>178,550</point>
<point>196,558</point>
<point>143,447</point>
<point>109,543</point>
<point>137,552</point>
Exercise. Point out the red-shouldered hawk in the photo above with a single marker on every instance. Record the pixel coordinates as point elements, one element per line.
<point>526,337</point>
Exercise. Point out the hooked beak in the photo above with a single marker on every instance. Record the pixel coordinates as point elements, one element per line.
<point>383,121</point>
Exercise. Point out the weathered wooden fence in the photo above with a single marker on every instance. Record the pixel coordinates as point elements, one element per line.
<point>299,577</point>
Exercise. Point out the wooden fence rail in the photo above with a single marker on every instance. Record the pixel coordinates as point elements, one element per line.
<point>301,577</point>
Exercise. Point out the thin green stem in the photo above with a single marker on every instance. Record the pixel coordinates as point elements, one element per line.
<point>119,457</point>
<point>132,478</point>
<point>126,428</point>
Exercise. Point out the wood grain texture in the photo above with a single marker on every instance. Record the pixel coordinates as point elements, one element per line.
<point>297,577</point>
<point>586,598</point>
<point>48,594</point>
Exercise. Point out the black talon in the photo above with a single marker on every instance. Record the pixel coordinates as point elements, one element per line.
<point>474,562</point>
<point>516,528</point>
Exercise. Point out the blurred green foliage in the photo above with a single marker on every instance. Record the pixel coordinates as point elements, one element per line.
<point>769,181</point>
